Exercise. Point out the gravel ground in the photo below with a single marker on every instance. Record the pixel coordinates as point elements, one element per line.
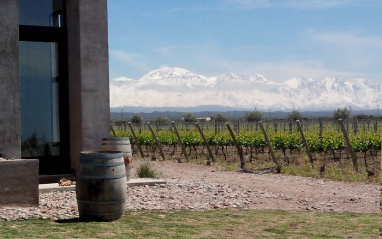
<point>177,194</point>
<point>196,187</point>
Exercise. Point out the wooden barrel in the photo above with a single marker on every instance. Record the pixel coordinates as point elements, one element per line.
<point>101,185</point>
<point>120,144</point>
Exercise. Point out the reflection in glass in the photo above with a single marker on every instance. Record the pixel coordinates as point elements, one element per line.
<point>39,86</point>
<point>41,12</point>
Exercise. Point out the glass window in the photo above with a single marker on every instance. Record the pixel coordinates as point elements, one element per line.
<point>41,12</point>
<point>39,88</point>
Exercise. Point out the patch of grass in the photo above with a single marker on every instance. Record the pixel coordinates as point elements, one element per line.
<point>203,224</point>
<point>228,166</point>
<point>304,170</point>
<point>332,172</point>
<point>300,167</point>
<point>145,170</point>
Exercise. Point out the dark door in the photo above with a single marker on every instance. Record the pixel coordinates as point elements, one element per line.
<point>43,97</point>
<point>44,85</point>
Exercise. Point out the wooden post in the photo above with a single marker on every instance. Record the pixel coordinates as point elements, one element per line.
<point>180,140</point>
<point>350,149</point>
<point>376,126</point>
<point>270,147</point>
<point>321,126</point>
<point>136,139</point>
<point>242,162</point>
<point>206,144</point>
<point>112,130</point>
<point>156,141</point>
<point>304,141</point>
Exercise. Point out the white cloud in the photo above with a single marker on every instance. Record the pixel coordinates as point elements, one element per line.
<point>349,55</point>
<point>304,4</point>
<point>251,4</point>
<point>346,39</point>
<point>308,69</point>
<point>134,60</point>
<point>211,60</point>
<point>313,4</point>
<point>356,51</point>
<point>281,71</point>
<point>206,57</point>
<point>166,50</point>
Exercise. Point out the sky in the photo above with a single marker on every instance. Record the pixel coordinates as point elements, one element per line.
<point>279,39</point>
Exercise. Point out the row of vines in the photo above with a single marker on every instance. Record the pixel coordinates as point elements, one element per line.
<point>325,146</point>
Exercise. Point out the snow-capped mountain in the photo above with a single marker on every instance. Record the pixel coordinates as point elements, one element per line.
<point>176,87</point>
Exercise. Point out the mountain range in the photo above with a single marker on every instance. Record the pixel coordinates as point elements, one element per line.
<point>172,87</point>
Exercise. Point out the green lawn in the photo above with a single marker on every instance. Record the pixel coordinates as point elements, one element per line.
<point>204,224</point>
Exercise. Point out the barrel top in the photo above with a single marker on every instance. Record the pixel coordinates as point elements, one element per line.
<point>114,143</point>
<point>101,154</point>
<point>115,139</point>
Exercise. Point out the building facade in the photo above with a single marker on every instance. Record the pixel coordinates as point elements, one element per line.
<point>54,80</point>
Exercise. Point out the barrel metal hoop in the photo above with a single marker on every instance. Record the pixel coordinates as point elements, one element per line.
<point>103,154</point>
<point>103,164</point>
<point>102,177</point>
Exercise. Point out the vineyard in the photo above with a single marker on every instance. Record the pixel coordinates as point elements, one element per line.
<point>281,145</point>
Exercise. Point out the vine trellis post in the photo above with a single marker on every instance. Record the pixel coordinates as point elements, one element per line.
<point>304,141</point>
<point>136,139</point>
<point>239,150</point>
<point>270,147</point>
<point>180,140</point>
<point>206,144</point>
<point>349,148</point>
<point>156,141</point>
<point>112,130</point>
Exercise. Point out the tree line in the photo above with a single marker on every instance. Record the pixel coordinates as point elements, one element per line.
<point>253,116</point>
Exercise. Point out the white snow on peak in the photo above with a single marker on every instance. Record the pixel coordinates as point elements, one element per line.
<point>299,82</point>
<point>121,80</point>
<point>168,71</point>
<point>174,76</point>
<point>177,87</point>
<point>259,78</point>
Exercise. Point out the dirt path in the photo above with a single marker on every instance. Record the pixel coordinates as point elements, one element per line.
<point>283,191</point>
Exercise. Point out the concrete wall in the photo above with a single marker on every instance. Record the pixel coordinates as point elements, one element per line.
<point>17,190</point>
<point>88,75</point>
<point>10,135</point>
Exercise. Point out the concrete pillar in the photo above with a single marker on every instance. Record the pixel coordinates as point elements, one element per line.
<point>88,73</point>
<point>10,135</point>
